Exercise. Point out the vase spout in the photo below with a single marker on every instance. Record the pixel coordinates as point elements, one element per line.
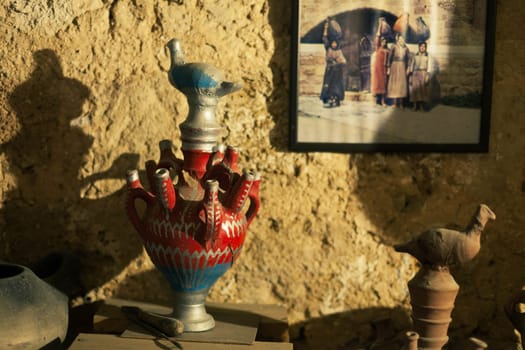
<point>213,211</point>
<point>165,190</point>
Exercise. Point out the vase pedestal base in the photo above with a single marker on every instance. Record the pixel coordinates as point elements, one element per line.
<point>190,309</point>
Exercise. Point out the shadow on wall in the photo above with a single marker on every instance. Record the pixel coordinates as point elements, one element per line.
<point>372,328</point>
<point>158,292</point>
<point>280,16</point>
<point>49,210</point>
<point>352,330</point>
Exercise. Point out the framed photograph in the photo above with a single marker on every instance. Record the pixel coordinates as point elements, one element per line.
<point>391,75</point>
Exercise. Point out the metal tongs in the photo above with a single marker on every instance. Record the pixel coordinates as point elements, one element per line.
<point>158,325</point>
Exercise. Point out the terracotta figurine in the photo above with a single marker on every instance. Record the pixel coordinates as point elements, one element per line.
<point>433,290</point>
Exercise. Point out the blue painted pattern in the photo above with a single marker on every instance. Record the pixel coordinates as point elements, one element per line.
<point>192,280</point>
<point>192,76</point>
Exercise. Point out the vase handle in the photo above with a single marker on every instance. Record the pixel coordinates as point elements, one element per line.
<point>253,209</point>
<point>131,208</point>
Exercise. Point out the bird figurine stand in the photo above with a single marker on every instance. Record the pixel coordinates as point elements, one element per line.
<point>198,208</point>
<point>433,290</point>
<point>432,295</point>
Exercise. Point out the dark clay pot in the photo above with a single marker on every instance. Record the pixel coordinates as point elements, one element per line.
<point>33,314</point>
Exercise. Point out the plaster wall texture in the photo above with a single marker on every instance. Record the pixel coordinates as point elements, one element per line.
<point>85,97</point>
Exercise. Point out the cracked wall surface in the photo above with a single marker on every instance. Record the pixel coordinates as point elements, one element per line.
<point>85,97</point>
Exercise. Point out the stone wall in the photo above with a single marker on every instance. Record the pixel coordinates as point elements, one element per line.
<point>85,97</point>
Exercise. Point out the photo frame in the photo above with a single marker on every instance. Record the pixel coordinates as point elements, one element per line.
<point>391,75</point>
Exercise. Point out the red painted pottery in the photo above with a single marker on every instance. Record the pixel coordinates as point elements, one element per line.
<point>198,209</point>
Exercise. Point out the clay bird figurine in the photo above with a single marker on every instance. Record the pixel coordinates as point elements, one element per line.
<point>445,247</point>
<point>196,79</point>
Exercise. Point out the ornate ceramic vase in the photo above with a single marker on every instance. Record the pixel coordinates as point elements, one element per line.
<point>198,209</point>
<point>33,314</point>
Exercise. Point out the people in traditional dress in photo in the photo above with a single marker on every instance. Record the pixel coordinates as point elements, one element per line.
<point>333,90</point>
<point>365,53</point>
<point>379,64</point>
<point>420,70</point>
<point>397,87</point>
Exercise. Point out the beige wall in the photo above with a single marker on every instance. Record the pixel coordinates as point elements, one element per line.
<point>85,97</point>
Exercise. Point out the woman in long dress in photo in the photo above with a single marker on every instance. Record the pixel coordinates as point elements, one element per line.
<point>379,68</point>
<point>420,70</point>
<point>333,90</point>
<point>397,88</point>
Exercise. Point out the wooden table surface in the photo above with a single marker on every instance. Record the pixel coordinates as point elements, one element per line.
<point>110,329</point>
